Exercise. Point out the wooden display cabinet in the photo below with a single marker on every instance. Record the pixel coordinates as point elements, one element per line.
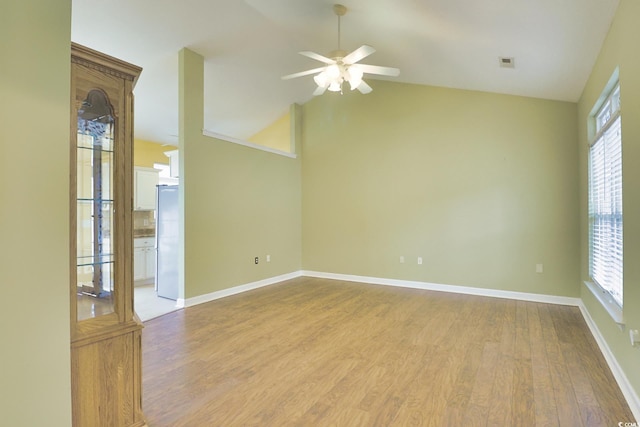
<point>106,356</point>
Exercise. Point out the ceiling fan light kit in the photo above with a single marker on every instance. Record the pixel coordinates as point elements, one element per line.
<point>342,67</point>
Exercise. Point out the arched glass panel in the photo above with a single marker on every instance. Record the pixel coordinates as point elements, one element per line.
<point>95,206</point>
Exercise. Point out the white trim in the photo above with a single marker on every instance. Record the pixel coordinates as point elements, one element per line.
<point>496,293</point>
<point>145,169</point>
<point>633,400</point>
<point>143,282</point>
<point>607,302</point>
<point>248,144</point>
<point>190,302</point>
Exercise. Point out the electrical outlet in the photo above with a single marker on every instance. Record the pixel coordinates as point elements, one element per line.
<point>268,258</point>
<point>419,260</point>
<point>401,260</point>
<point>257,260</point>
<point>635,337</point>
<point>539,268</point>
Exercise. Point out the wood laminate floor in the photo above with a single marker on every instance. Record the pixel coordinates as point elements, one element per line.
<point>315,352</point>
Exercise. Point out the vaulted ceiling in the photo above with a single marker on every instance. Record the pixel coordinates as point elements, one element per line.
<point>248,45</point>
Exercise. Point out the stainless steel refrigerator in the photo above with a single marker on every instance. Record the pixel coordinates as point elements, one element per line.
<point>167,241</point>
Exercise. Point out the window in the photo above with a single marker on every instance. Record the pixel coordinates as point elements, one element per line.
<point>605,198</point>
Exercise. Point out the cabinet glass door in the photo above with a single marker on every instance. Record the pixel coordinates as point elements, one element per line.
<point>95,206</point>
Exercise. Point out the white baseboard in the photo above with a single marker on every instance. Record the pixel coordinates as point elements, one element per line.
<point>189,302</point>
<point>144,282</point>
<point>623,382</point>
<point>496,293</point>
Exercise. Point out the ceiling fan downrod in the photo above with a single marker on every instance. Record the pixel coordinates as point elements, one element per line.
<point>340,11</point>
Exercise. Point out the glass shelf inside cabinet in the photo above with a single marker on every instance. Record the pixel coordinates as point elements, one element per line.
<point>95,275</point>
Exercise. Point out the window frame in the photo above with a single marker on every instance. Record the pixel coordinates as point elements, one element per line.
<point>607,116</point>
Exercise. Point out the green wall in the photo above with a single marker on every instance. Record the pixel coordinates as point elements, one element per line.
<point>239,202</point>
<point>482,186</point>
<point>35,384</point>
<point>619,50</point>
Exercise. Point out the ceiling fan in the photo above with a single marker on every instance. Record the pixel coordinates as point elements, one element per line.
<point>342,66</point>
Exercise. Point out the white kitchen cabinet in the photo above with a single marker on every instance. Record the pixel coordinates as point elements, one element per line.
<point>144,259</point>
<point>174,163</point>
<point>145,182</point>
<point>150,263</point>
<point>139,264</point>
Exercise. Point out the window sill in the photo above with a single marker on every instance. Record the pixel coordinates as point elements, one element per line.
<point>607,302</point>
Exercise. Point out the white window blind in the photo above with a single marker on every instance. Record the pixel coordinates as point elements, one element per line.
<point>605,199</point>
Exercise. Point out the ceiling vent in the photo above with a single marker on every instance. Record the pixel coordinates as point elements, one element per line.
<point>506,62</point>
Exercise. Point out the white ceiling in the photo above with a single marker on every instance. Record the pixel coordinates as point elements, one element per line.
<point>248,45</point>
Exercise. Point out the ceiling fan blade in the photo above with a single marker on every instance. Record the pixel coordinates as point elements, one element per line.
<point>376,69</point>
<point>364,88</point>
<point>320,90</point>
<point>317,57</point>
<point>302,73</point>
<point>358,54</point>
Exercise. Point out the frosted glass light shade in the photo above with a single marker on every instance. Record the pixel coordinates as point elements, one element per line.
<point>333,71</point>
<point>321,79</point>
<point>334,86</point>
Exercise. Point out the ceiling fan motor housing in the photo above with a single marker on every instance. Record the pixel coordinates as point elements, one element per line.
<point>339,9</point>
<point>337,55</point>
